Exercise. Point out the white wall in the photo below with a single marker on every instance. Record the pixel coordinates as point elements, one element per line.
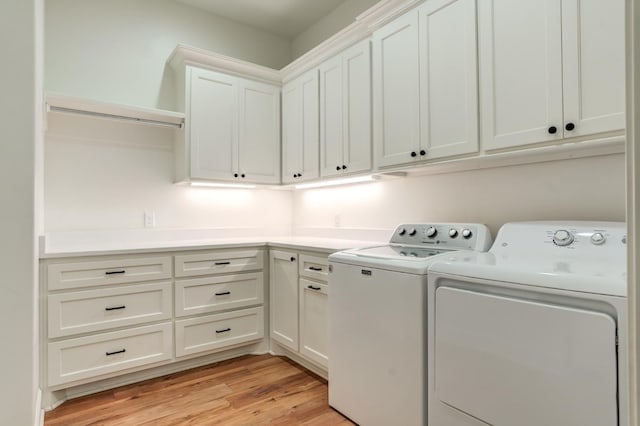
<point>335,21</point>
<point>578,189</point>
<point>103,174</point>
<point>18,121</point>
<point>116,50</point>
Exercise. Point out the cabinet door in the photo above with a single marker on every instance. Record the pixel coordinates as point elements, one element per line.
<point>291,131</point>
<point>448,78</point>
<point>356,63</point>
<point>331,117</point>
<point>283,302</point>
<point>396,101</point>
<point>520,72</point>
<point>593,66</point>
<point>310,114</point>
<point>211,132</point>
<point>314,321</point>
<point>259,141</point>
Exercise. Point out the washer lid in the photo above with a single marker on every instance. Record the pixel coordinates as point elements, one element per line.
<point>558,272</point>
<point>393,257</point>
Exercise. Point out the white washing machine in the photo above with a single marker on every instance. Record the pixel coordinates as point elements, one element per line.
<point>377,328</point>
<point>532,332</point>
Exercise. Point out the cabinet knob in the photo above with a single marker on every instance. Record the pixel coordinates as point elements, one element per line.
<point>344,167</point>
<point>299,174</point>
<point>570,126</point>
<point>293,259</point>
<point>242,175</point>
<point>235,175</point>
<point>552,130</point>
<point>423,152</point>
<point>414,154</point>
<point>338,168</point>
<point>295,175</point>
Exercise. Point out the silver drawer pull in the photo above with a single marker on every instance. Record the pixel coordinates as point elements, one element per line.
<point>223,263</point>
<point>114,308</point>
<point>224,330</point>
<point>121,351</point>
<point>314,288</point>
<point>314,268</point>
<point>115,272</point>
<point>223,293</point>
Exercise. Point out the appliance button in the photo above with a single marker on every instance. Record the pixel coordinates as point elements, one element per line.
<point>453,233</point>
<point>431,232</point>
<point>412,232</point>
<point>598,238</point>
<point>562,238</point>
<point>466,233</point>
<point>402,231</point>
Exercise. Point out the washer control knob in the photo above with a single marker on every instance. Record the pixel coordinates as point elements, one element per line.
<point>562,238</point>
<point>431,232</point>
<point>466,233</point>
<point>412,232</point>
<point>598,238</point>
<point>402,231</point>
<point>453,233</point>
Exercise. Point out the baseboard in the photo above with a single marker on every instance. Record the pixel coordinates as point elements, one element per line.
<point>278,350</point>
<point>38,410</point>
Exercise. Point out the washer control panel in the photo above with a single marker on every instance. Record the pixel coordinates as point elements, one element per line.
<point>456,236</point>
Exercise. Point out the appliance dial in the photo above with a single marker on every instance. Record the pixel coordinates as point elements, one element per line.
<point>466,233</point>
<point>431,232</point>
<point>562,238</point>
<point>412,232</point>
<point>598,238</point>
<point>453,233</point>
<point>402,231</point>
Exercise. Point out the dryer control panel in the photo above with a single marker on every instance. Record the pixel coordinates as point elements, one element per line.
<point>454,236</point>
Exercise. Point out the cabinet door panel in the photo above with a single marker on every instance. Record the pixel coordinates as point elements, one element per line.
<point>448,77</point>
<point>291,131</point>
<point>212,124</point>
<point>259,142</point>
<point>594,65</point>
<point>310,105</point>
<point>314,321</point>
<point>520,71</point>
<point>396,102</point>
<point>331,117</point>
<point>357,107</point>
<point>283,301</point>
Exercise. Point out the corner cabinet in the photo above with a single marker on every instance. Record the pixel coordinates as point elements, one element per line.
<point>425,92</point>
<point>345,112</point>
<point>232,129</point>
<point>300,128</point>
<point>550,70</point>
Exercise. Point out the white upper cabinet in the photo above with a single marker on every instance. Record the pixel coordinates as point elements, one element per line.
<point>425,84</point>
<point>345,112</point>
<point>550,70</point>
<point>232,129</point>
<point>300,128</point>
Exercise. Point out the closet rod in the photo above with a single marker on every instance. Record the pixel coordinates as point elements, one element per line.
<point>65,110</point>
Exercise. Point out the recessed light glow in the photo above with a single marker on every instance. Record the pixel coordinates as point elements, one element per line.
<point>222,185</point>
<point>345,181</point>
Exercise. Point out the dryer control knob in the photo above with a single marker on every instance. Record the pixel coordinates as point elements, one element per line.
<point>412,232</point>
<point>402,231</point>
<point>598,238</point>
<point>453,233</point>
<point>562,238</point>
<point>431,232</point>
<point>466,233</point>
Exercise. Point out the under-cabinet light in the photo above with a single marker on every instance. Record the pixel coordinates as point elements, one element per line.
<point>222,185</point>
<point>345,181</point>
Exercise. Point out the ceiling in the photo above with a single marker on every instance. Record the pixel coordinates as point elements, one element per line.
<point>287,18</point>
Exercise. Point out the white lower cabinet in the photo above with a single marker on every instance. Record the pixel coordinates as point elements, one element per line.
<point>299,304</point>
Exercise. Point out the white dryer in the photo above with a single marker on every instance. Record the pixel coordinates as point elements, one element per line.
<point>532,332</point>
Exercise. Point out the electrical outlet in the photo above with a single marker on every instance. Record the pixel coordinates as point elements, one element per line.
<point>149,220</point>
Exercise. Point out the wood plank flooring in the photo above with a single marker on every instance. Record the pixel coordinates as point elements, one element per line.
<point>251,390</point>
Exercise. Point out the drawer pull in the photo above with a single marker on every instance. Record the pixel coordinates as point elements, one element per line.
<point>114,272</point>
<point>115,308</point>
<point>314,268</point>
<point>224,330</point>
<point>121,351</point>
<point>223,293</point>
<point>223,263</point>
<point>313,288</point>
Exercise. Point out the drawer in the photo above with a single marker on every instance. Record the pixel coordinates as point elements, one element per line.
<point>83,358</point>
<point>218,262</point>
<point>220,331</point>
<point>100,309</point>
<point>212,294</point>
<point>313,267</point>
<point>104,272</point>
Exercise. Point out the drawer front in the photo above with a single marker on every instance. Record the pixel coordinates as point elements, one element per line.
<point>104,272</point>
<point>215,332</point>
<point>87,357</point>
<point>101,309</point>
<point>218,262</point>
<point>213,294</point>
<point>314,321</point>
<point>314,267</point>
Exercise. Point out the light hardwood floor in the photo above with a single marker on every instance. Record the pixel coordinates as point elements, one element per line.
<point>251,390</point>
